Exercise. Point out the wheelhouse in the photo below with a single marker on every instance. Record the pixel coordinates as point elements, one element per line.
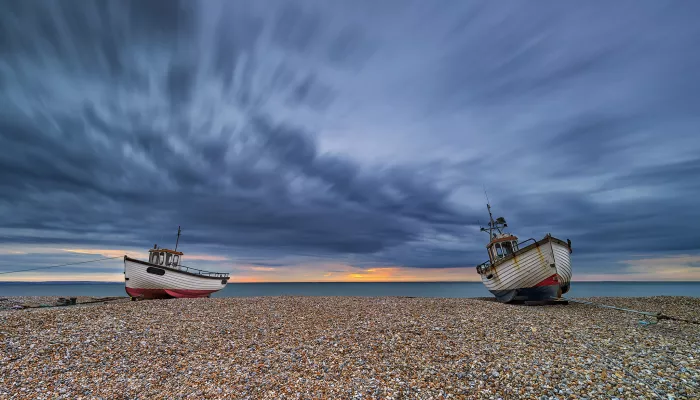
<point>165,257</point>
<point>501,246</point>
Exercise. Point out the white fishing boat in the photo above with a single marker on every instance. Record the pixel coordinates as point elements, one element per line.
<point>163,276</point>
<point>531,270</point>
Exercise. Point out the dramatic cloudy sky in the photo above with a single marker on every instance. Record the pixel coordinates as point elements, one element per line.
<point>348,140</point>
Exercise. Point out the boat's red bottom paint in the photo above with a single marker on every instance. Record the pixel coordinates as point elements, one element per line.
<point>545,290</point>
<point>552,280</point>
<point>167,293</point>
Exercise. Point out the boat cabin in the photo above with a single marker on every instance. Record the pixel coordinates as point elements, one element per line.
<point>501,246</point>
<point>165,257</point>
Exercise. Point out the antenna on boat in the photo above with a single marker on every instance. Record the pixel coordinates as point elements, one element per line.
<point>178,237</point>
<point>498,224</point>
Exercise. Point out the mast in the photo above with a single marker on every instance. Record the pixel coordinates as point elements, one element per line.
<point>178,237</point>
<point>496,225</point>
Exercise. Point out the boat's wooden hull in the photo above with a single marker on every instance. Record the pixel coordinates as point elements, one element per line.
<point>148,281</point>
<point>537,272</point>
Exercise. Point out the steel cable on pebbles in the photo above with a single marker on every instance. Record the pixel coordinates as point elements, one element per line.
<point>590,344</point>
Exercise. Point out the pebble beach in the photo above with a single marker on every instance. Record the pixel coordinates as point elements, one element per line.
<point>349,348</point>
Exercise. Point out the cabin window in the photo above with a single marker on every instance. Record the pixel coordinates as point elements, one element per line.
<point>507,248</point>
<point>161,259</point>
<point>155,271</point>
<point>154,258</point>
<point>499,250</point>
<point>168,258</point>
<point>515,246</point>
<point>176,260</point>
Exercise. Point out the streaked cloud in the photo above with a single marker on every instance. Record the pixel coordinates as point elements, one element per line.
<point>266,269</point>
<point>109,252</point>
<point>348,140</point>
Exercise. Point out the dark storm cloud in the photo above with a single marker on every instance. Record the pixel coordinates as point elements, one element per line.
<point>296,29</point>
<point>103,163</point>
<point>612,156</point>
<point>677,177</point>
<point>120,121</point>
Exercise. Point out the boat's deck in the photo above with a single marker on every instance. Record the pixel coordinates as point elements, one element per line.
<point>183,268</point>
<point>201,272</point>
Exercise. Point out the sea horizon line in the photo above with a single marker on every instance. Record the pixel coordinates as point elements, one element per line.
<point>282,282</point>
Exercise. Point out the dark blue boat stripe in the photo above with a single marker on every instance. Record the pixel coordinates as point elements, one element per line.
<point>526,294</point>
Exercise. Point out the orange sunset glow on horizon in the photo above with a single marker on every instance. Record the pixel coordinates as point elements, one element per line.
<point>672,268</point>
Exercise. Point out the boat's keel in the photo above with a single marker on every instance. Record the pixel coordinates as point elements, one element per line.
<point>537,293</point>
<point>167,293</point>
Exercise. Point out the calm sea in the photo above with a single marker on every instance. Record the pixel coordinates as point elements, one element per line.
<point>416,289</point>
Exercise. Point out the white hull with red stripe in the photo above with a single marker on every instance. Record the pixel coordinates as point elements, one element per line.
<point>146,280</point>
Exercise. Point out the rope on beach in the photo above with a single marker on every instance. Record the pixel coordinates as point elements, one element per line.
<point>656,315</point>
<point>62,265</point>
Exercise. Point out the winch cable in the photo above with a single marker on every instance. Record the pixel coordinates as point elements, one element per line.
<point>627,371</point>
<point>657,315</point>
<point>62,265</point>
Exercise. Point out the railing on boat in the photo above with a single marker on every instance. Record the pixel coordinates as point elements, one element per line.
<point>201,272</point>
<point>481,268</point>
<point>525,241</point>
